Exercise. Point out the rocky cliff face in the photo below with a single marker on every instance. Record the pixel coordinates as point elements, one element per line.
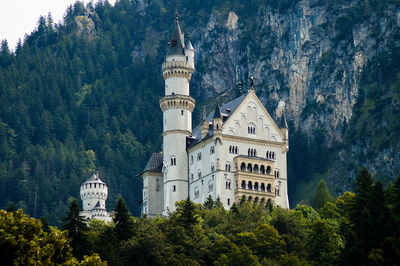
<point>307,58</point>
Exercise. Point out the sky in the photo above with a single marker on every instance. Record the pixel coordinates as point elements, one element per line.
<point>20,17</point>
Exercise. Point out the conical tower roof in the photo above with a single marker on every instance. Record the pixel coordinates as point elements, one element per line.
<point>176,44</point>
<point>217,112</point>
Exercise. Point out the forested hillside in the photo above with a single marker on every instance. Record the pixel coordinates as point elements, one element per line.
<point>91,84</point>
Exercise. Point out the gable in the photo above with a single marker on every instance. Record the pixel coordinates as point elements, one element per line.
<point>252,120</point>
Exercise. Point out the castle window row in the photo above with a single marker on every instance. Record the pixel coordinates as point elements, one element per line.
<point>90,185</point>
<point>233,149</point>
<point>256,186</point>
<point>270,155</point>
<point>180,104</point>
<point>251,130</point>
<point>256,169</point>
<point>252,152</point>
<point>255,199</point>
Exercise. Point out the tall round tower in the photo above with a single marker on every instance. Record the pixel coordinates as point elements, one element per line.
<point>177,107</point>
<point>94,194</point>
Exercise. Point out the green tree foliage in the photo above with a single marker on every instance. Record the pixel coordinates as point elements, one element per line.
<point>322,195</point>
<point>76,226</point>
<point>23,242</point>
<point>122,220</point>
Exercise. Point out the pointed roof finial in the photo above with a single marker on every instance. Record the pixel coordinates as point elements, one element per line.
<point>251,81</point>
<point>239,90</point>
<point>177,43</point>
<point>217,112</point>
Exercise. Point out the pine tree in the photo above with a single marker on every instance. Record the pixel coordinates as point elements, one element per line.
<point>76,226</point>
<point>322,195</point>
<point>209,203</point>
<point>123,223</point>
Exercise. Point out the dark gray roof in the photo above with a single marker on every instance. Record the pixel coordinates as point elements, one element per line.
<point>94,178</point>
<point>231,106</point>
<point>217,111</point>
<point>176,44</point>
<point>282,121</point>
<point>155,162</point>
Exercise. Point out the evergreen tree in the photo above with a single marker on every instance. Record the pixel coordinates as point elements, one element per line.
<point>322,195</point>
<point>76,226</point>
<point>123,223</point>
<point>209,203</point>
<point>186,213</point>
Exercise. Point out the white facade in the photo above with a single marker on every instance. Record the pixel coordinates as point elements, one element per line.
<point>94,194</point>
<point>237,153</point>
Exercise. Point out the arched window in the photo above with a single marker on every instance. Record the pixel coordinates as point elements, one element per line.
<point>228,167</point>
<point>255,169</point>
<point>249,168</point>
<point>243,184</point>
<point>262,187</point>
<point>199,156</point>
<point>243,167</point>
<point>212,168</point>
<point>256,186</point>
<point>269,187</point>
<point>191,159</point>
<point>173,188</point>
<point>196,192</point>
<point>228,184</point>
<point>236,150</point>
<point>262,169</point>
<point>212,150</point>
<point>191,176</point>
<point>173,160</point>
<point>181,112</point>
<point>268,170</point>
<point>250,185</point>
<point>273,155</point>
<point>230,149</point>
<point>248,152</point>
<point>210,186</point>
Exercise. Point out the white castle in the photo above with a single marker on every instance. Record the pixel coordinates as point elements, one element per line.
<point>94,194</point>
<point>237,153</point>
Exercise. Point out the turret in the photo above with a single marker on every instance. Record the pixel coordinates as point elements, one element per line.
<point>94,194</point>
<point>177,107</point>
<point>217,119</point>
<point>189,52</point>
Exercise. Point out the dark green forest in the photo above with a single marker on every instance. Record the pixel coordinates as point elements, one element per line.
<point>360,228</point>
<point>72,89</point>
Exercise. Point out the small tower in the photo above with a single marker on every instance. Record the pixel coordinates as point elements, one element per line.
<point>177,107</point>
<point>94,194</point>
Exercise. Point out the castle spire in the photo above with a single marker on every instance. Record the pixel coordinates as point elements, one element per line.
<point>176,44</point>
<point>217,112</point>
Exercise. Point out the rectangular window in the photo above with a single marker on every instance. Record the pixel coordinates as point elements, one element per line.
<point>229,202</point>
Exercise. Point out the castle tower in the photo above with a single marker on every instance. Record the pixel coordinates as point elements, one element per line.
<point>177,107</point>
<point>94,194</point>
